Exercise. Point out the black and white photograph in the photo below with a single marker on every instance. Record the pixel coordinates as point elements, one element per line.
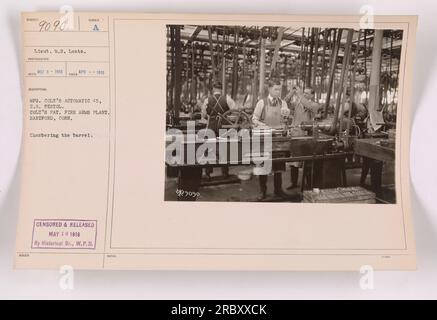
<point>320,102</point>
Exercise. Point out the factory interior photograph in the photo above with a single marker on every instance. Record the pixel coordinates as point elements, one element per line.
<point>325,99</point>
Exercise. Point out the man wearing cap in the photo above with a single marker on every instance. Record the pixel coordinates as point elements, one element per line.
<point>305,109</point>
<point>270,112</point>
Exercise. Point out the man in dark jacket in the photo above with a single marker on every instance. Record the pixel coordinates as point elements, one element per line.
<point>217,105</point>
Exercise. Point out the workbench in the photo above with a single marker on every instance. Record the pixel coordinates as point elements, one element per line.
<point>375,152</point>
<point>323,163</point>
<point>372,148</point>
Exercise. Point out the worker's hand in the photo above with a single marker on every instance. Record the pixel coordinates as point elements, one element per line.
<point>285,112</point>
<point>258,124</point>
<point>291,92</point>
<point>298,90</point>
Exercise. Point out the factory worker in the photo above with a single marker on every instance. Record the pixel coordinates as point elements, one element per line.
<point>271,112</point>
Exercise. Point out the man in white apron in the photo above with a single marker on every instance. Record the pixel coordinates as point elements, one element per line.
<point>269,112</point>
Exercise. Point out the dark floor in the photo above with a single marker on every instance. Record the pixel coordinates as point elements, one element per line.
<point>247,191</point>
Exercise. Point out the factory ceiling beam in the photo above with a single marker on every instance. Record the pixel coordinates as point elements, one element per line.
<point>276,52</point>
<point>352,90</point>
<point>262,66</point>
<point>211,50</point>
<point>195,34</point>
<point>336,40</point>
<point>178,73</point>
<point>322,72</point>
<point>342,78</point>
<point>375,74</point>
<point>214,41</point>
<point>310,58</point>
<point>291,41</point>
<point>235,67</point>
<point>285,48</point>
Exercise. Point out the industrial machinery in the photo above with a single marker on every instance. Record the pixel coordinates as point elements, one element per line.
<point>340,65</point>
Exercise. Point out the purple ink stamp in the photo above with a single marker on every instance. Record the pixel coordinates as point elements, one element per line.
<point>64,234</point>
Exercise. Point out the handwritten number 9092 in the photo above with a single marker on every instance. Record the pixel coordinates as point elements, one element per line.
<point>55,25</point>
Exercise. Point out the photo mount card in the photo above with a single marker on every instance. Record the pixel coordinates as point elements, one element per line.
<point>168,141</point>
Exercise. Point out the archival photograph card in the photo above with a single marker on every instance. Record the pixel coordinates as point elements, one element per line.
<point>216,142</point>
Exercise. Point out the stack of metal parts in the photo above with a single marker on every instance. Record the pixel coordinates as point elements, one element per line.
<point>339,195</point>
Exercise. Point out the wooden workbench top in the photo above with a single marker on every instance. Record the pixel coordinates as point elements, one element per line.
<point>373,149</point>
